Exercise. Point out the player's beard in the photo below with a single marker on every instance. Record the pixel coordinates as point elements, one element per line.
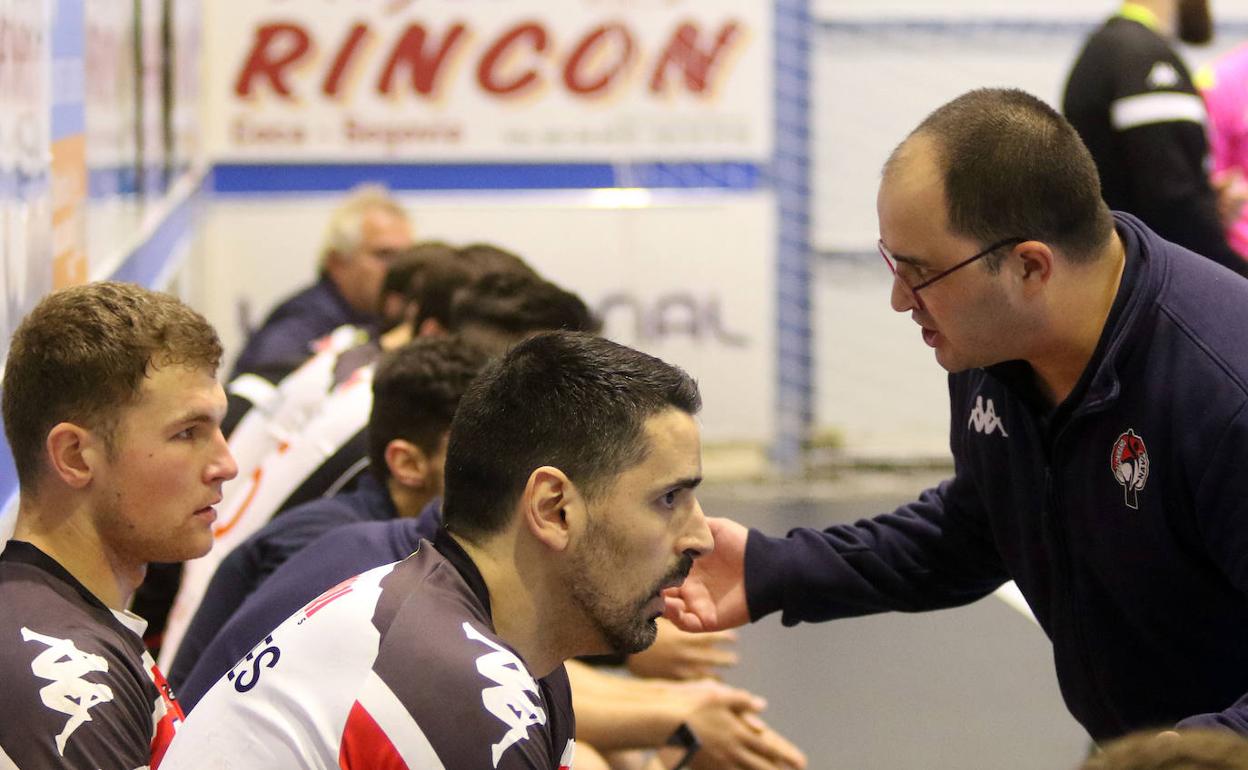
<point>623,625</point>
<point>1195,22</point>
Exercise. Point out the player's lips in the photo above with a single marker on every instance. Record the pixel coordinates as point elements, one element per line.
<point>208,511</point>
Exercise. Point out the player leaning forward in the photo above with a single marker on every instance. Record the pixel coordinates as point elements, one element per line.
<point>113,412</point>
<point>569,506</point>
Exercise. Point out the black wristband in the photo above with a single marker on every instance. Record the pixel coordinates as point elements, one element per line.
<point>684,738</point>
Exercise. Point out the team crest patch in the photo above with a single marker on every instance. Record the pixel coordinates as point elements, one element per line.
<point>1128,461</point>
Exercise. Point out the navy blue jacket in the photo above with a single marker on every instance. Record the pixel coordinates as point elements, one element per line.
<point>346,551</point>
<point>243,570</point>
<point>285,338</point>
<point>1122,514</point>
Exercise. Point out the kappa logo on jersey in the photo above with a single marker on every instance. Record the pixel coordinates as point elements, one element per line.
<point>64,665</point>
<point>984,419</point>
<point>1128,461</point>
<point>267,657</point>
<point>509,699</point>
<point>1163,75</point>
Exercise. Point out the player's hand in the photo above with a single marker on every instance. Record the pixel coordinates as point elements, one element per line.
<point>712,598</point>
<point>732,735</point>
<point>678,654</point>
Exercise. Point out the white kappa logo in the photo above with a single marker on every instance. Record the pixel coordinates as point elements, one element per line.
<point>1163,75</point>
<point>509,701</point>
<point>64,665</point>
<point>984,419</point>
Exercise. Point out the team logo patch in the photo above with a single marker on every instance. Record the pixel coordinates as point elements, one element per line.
<point>1128,461</point>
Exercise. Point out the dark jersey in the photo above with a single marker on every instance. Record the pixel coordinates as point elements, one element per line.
<point>397,667</point>
<point>80,691</point>
<point>1133,103</point>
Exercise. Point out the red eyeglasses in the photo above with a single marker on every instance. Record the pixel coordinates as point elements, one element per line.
<point>911,276</point>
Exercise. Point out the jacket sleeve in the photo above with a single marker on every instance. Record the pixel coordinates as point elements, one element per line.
<point>1175,197</point>
<point>1220,500</point>
<point>933,553</point>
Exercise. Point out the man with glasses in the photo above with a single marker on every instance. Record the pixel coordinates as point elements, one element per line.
<point>1099,399</point>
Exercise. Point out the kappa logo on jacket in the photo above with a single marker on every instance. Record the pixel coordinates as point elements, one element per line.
<point>1128,461</point>
<point>984,419</point>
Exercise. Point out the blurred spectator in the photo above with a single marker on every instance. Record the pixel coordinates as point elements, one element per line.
<point>1134,104</point>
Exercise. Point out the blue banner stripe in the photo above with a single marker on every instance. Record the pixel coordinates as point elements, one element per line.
<point>152,257</point>
<point>287,178</point>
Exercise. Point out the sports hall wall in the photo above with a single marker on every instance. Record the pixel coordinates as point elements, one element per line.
<point>122,154</point>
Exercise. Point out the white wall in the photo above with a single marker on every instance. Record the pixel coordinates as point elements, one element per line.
<point>711,252</point>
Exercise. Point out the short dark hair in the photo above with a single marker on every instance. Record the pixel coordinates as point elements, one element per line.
<point>1202,749</point>
<point>570,400</point>
<point>407,262</point>
<point>81,356</point>
<point>1013,167</point>
<point>415,392</point>
<point>517,305</point>
<point>435,285</point>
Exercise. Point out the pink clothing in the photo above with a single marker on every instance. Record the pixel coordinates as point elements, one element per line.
<point>1225,90</point>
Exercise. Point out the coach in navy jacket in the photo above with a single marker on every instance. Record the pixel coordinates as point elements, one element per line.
<point>1099,401</point>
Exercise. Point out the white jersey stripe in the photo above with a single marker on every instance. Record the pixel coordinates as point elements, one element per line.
<point>260,392</point>
<point>401,730</point>
<point>1159,107</point>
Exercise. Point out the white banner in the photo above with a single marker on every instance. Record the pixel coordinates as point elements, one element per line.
<point>490,80</point>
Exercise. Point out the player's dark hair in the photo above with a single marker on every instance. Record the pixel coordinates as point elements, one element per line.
<point>435,285</point>
<point>500,309</point>
<point>81,356</point>
<point>569,400</point>
<point>415,392</point>
<point>1013,167</point>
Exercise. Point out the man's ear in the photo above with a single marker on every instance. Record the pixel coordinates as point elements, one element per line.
<point>73,453</point>
<point>1033,261</point>
<point>408,463</point>
<point>552,507</point>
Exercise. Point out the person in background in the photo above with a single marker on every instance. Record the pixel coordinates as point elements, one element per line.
<point>1224,87</point>
<point>112,410</point>
<point>364,234</point>
<point>1133,102</point>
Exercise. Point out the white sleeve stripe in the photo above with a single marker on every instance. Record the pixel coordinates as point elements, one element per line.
<point>394,720</point>
<point>1159,107</point>
<point>259,391</point>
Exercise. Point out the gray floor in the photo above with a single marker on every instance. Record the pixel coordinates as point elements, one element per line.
<point>965,688</point>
